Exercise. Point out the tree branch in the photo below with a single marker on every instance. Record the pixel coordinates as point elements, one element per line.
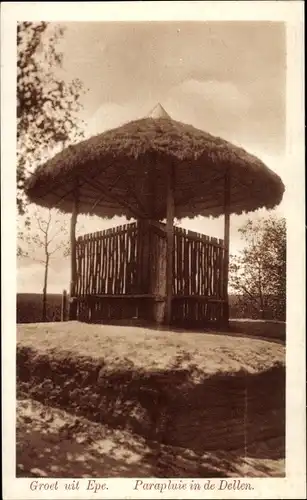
<point>54,236</point>
<point>39,225</point>
<point>59,247</point>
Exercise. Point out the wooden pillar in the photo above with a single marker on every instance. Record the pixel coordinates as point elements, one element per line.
<point>64,306</point>
<point>73,258</point>
<point>226,247</point>
<point>143,267</point>
<point>170,213</point>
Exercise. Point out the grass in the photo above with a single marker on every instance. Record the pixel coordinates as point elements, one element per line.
<point>260,328</point>
<point>196,391</point>
<point>30,305</point>
<point>147,350</point>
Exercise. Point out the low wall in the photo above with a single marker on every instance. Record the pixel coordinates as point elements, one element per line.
<point>259,328</point>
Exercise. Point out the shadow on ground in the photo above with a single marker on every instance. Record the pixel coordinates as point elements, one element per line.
<point>54,443</point>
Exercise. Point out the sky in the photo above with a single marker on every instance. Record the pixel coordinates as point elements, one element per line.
<point>227,78</point>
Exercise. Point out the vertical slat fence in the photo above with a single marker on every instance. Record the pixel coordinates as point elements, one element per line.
<point>121,270</point>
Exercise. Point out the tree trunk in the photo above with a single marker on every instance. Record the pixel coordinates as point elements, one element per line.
<point>44,314</point>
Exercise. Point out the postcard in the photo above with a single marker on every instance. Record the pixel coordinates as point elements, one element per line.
<point>153,250</point>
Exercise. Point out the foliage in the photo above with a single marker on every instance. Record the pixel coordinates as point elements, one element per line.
<point>258,273</point>
<point>47,106</point>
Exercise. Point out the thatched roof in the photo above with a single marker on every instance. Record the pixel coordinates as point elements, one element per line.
<point>122,172</point>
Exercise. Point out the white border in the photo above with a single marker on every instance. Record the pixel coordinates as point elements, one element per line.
<point>291,13</point>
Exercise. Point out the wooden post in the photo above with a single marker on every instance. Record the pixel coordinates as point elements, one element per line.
<point>143,266</point>
<point>64,306</point>
<point>226,248</point>
<point>73,257</point>
<point>170,213</point>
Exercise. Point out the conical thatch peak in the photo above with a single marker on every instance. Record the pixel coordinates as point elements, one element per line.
<point>158,112</point>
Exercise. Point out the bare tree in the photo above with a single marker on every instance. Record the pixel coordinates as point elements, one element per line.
<point>48,236</point>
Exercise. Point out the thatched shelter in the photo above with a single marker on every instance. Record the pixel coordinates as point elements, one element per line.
<point>155,168</point>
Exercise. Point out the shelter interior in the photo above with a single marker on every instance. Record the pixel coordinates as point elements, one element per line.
<point>121,275</point>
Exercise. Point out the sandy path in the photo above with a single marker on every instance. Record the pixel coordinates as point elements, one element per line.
<point>54,443</point>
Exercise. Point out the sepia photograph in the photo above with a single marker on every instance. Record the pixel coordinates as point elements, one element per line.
<point>151,250</point>
<point>164,355</point>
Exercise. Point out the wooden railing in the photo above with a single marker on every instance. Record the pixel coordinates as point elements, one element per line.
<point>107,262</point>
<point>121,273</point>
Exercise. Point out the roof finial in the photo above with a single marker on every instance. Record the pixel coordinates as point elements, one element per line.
<point>158,112</point>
